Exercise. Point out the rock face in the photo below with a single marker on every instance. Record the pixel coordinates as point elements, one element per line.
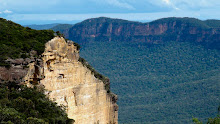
<point>18,68</point>
<point>73,85</point>
<point>159,31</point>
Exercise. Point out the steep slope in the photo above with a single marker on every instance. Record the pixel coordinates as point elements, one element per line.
<point>166,83</point>
<point>162,70</point>
<point>69,80</point>
<point>167,29</point>
<point>72,84</point>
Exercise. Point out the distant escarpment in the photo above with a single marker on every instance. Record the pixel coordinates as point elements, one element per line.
<point>206,32</point>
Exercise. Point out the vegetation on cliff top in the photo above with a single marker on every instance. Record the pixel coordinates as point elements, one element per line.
<point>190,21</point>
<point>19,104</point>
<point>42,27</point>
<point>186,20</point>
<point>96,74</point>
<point>22,105</point>
<point>101,20</point>
<point>173,29</point>
<point>61,27</point>
<point>17,41</point>
<point>213,23</point>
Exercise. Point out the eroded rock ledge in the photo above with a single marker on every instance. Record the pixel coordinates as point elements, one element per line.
<point>72,84</point>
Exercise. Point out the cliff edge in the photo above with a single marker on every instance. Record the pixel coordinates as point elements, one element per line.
<point>156,32</point>
<point>70,83</point>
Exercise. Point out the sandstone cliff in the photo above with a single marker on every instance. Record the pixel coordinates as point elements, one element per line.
<point>159,31</point>
<point>68,82</point>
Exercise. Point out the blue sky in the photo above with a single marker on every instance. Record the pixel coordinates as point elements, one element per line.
<point>70,11</point>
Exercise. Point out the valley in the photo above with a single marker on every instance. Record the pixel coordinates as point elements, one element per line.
<point>169,83</point>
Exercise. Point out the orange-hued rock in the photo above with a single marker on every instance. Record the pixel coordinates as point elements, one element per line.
<point>156,32</point>
<point>73,85</point>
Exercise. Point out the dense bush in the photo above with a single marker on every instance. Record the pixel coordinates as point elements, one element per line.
<point>186,20</point>
<point>215,120</point>
<point>16,41</point>
<point>77,45</point>
<point>61,27</point>
<point>213,23</point>
<point>165,83</point>
<point>20,104</point>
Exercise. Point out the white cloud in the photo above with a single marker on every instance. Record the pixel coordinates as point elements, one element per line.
<point>120,4</point>
<point>164,4</point>
<point>201,14</point>
<point>166,1</point>
<point>186,4</point>
<point>194,4</point>
<point>7,11</point>
<point>170,4</point>
<point>117,3</point>
<point>50,6</point>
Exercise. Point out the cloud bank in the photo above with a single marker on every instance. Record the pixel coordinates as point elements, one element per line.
<point>120,4</point>
<point>6,12</point>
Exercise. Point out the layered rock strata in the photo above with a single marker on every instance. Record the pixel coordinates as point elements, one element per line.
<point>73,85</point>
<point>156,32</point>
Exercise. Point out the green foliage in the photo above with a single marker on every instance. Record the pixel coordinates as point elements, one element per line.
<point>196,121</point>
<point>190,22</point>
<point>179,21</point>
<point>106,20</point>
<point>10,114</point>
<point>61,27</point>
<point>32,120</point>
<point>77,45</point>
<point>20,104</point>
<point>96,74</point>
<point>215,120</point>
<point>177,29</point>
<point>42,27</point>
<point>166,83</point>
<point>213,23</point>
<point>16,41</point>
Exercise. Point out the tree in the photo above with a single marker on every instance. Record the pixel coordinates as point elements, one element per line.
<point>215,120</point>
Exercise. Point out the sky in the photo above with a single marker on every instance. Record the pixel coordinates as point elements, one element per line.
<point>71,11</point>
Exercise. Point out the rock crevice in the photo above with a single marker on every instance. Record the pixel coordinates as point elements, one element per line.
<point>72,84</point>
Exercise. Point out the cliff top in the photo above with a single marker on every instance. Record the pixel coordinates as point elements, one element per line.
<point>17,41</point>
<point>187,20</point>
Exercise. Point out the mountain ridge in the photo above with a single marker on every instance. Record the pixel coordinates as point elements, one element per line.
<point>166,29</point>
<point>159,78</point>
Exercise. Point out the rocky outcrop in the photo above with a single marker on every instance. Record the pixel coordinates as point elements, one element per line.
<point>159,31</point>
<point>72,84</point>
<point>17,68</point>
